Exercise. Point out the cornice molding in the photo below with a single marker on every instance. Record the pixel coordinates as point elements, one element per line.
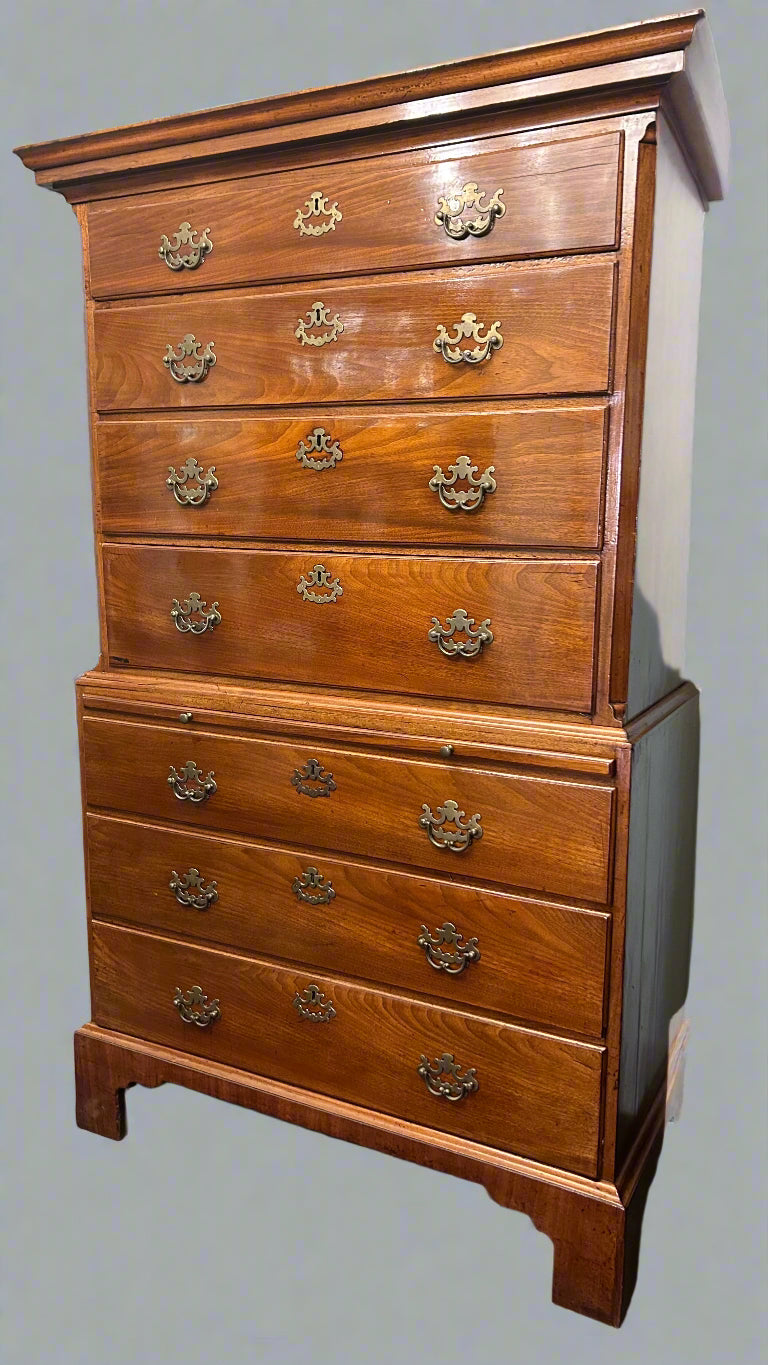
<point>675,55</point>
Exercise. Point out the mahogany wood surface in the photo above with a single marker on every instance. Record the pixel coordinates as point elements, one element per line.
<point>540,962</point>
<point>664,62</point>
<point>537,1094</point>
<point>547,465</point>
<point>387,221</point>
<point>623,494</point>
<point>555,320</point>
<point>656,659</point>
<point>652,37</point>
<point>569,738</point>
<point>660,886</point>
<point>499,112</point>
<point>543,834</point>
<point>541,614</point>
<point>567,744</point>
<point>595,1227</point>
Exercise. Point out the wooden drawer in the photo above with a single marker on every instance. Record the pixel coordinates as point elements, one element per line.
<point>559,196</point>
<point>555,322</point>
<point>546,464</point>
<point>361,621</point>
<point>537,961</point>
<point>544,834</point>
<point>536,1094</point>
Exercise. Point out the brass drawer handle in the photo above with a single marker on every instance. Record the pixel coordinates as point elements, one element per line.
<point>194,616</point>
<point>192,494</point>
<point>312,780</point>
<point>190,785</point>
<point>312,888</point>
<point>313,1005</point>
<point>451,207</point>
<point>455,840</point>
<point>319,441</point>
<point>467,499</point>
<point>319,577</point>
<point>317,207</point>
<point>191,890</point>
<point>189,349</point>
<point>319,316</point>
<point>195,1007</point>
<point>468,328</point>
<point>444,1080</point>
<point>175,258</point>
<point>445,950</point>
<point>459,624</point>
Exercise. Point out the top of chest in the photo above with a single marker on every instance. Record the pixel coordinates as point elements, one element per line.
<point>422,164</point>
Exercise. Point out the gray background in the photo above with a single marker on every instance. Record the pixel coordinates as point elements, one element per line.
<point>213,1234</point>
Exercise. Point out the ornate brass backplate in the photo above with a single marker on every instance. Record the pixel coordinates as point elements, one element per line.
<point>312,780</point>
<point>190,785</point>
<point>189,349</point>
<point>194,616</point>
<point>317,207</point>
<point>191,890</point>
<point>468,329</point>
<point>319,577</point>
<point>445,950</point>
<point>462,499</point>
<point>457,625</point>
<point>451,207</point>
<point>320,442</point>
<point>188,493</point>
<point>195,1007</point>
<point>312,888</point>
<point>319,316</point>
<point>439,833</point>
<point>175,258</point>
<point>312,1004</point>
<point>443,1078</point>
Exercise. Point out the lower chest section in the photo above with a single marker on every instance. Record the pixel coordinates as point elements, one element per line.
<point>418,933</point>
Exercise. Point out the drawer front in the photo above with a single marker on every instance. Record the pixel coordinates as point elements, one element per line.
<point>472,946</point>
<point>538,833</point>
<point>557,197</point>
<point>535,1094</point>
<point>361,621</point>
<point>479,478</point>
<point>554,323</point>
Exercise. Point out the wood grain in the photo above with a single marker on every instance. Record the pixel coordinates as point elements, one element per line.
<point>660,586</point>
<point>579,891</point>
<point>541,614</point>
<point>620,512</point>
<point>613,45</point>
<point>539,833</point>
<point>388,207</point>
<point>565,745</point>
<point>594,1226</point>
<point>555,320</point>
<point>537,1094</point>
<point>540,962</point>
<point>547,466</point>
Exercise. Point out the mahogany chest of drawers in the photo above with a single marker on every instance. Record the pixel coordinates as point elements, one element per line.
<point>389,764</point>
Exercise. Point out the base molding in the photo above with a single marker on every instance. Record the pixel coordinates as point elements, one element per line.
<point>594,1225</point>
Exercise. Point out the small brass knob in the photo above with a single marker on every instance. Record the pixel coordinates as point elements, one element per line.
<point>186,716</point>
<point>446,751</point>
